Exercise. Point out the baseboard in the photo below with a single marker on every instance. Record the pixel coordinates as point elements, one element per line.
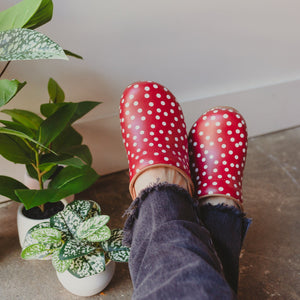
<point>266,109</point>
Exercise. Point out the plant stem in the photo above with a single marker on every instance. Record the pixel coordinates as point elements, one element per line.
<point>2,72</point>
<point>40,176</point>
<point>39,173</point>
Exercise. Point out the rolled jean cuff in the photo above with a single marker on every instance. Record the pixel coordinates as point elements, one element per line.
<point>223,212</point>
<point>228,227</point>
<point>132,213</point>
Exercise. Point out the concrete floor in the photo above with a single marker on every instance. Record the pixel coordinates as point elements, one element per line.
<point>270,267</point>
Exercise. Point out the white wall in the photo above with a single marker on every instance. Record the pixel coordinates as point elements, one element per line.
<point>241,53</point>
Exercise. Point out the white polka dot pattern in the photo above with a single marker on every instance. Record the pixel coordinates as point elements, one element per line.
<point>153,128</point>
<point>217,149</point>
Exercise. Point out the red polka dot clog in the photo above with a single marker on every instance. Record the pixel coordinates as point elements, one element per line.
<point>217,149</point>
<point>153,130</point>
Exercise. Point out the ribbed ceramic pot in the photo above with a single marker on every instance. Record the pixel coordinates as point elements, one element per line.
<point>87,286</point>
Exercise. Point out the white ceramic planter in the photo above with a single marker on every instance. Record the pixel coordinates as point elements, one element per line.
<point>24,223</point>
<point>87,286</point>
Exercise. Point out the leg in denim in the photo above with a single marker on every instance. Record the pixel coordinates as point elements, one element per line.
<point>172,253</point>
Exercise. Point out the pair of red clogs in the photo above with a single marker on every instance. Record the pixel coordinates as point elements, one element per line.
<point>211,158</point>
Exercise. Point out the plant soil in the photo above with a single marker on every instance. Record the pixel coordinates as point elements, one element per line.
<point>50,210</point>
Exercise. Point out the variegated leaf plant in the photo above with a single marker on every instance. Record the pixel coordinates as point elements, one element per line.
<point>19,40</point>
<point>77,239</point>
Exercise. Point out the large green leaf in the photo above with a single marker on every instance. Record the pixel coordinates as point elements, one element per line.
<point>48,109</point>
<point>25,117</point>
<point>90,226</point>
<point>23,136</point>
<point>19,127</point>
<point>8,186</point>
<point>17,133</point>
<point>41,16</point>
<point>83,108</point>
<point>27,13</point>
<point>8,89</point>
<point>69,181</point>
<point>32,198</point>
<point>67,139</point>
<point>72,249</point>
<point>56,123</point>
<point>55,92</point>
<point>49,160</point>
<point>58,264</point>
<point>14,149</point>
<point>81,151</point>
<point>73,161</point>
<point>27,44</point>
<point>74,180</point>
<point>36,251</point>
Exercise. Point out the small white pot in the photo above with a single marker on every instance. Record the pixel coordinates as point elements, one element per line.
<point>87,286</point>
<point>24,223</point>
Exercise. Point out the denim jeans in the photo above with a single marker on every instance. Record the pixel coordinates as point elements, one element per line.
<point>180,250</point>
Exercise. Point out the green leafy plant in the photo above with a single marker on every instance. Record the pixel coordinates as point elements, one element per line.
<point>20,41</point>
<point>77,239</point>
<point>49,147</point>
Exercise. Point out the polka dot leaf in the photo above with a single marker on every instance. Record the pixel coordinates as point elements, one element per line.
<point>90,226</point>
<point>81,207</point>
<point>58,264</point>
<point>114,247</point>
<point>47,236</point>
<point>29,240</point>
<point>100,235</point>
<point>27,44</point>
<point>119,256</point>
<point>81,268</point>
<point>35,251</point>
<point>73,249</point>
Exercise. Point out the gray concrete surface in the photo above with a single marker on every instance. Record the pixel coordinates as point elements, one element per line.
<point>270,267</point>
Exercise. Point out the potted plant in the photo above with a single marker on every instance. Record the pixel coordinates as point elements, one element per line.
<point>52,151</point>
<point>82,247</point>
<point>20,41</point>
<point>48,146</point>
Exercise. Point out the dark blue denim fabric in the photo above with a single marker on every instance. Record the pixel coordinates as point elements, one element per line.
<point>227,227</point>
<point>172,252</point>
